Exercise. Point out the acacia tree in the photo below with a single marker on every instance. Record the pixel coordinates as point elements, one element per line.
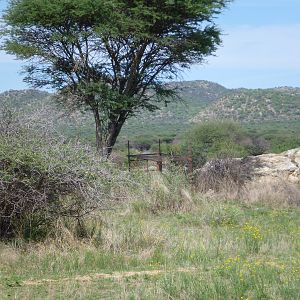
<point>110,56</point>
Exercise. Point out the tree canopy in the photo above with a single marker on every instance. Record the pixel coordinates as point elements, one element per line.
<point>110,56</point>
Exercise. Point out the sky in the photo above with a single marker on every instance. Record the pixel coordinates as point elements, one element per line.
<point>260,49</point>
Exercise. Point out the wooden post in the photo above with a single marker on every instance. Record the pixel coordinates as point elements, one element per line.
<point>159,163</point>
<point>128,155</point>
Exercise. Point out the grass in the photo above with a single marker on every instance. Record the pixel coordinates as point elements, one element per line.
<point>228,249</point>
<point>163,239</point>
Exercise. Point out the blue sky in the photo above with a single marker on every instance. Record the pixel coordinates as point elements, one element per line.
<point>261,46</point>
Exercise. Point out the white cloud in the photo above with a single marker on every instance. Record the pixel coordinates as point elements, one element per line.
<point>265,47</point>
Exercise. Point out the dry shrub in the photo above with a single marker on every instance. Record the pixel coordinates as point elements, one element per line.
<point>272,191</point>
<point>226,175</point>
<point>235,179</point>
<point>43,178</point>
<point>37,188</point>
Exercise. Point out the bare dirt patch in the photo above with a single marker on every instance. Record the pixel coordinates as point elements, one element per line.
<point>114,275</point>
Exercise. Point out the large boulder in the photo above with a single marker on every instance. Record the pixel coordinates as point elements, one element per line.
<point>284,166</point>
<point>266,178</point>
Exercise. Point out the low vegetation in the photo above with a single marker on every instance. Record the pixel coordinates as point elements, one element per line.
<point>215,139</point>
<point>104,233</point>
<point>163,241</point>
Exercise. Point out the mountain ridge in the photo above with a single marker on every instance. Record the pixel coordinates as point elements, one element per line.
<point>201,100</point>
<point>255,105</point>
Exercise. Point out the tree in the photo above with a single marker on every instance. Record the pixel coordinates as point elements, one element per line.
<point>110,56</point>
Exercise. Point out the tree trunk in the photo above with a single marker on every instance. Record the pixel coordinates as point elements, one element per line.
<point>113,132</point>
<point>99,135</point>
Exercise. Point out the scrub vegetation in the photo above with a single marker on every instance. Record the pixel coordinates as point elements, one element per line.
<point>120,235</point>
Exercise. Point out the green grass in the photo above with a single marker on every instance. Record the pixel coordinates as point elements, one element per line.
<point>237,250</point>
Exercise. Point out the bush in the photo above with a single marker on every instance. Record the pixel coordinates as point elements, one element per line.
<point>44,179</point>
<point>224,175</point>
<point>215,139</point>
<point>40,185</point>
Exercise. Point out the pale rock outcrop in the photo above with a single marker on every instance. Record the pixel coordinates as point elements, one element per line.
<point>284,166</point>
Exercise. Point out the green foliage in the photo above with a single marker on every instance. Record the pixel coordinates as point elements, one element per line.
<point>256,106</point>
<point>280,135</point>
<point>110,57</point>
<point>216,139</point>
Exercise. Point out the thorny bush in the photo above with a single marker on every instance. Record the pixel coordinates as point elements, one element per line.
<point>45,179</point>
<point>224,174</point>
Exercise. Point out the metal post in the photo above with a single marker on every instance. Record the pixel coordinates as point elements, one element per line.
<point>159,163</point>
<point>128,155</point>
<point>190,159</point>
<point>159,147</point>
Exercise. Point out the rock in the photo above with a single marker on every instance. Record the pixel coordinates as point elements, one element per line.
<point>271,178</point>
<point>285,165</point>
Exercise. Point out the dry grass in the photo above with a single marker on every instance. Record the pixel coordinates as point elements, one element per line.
<point>230,246</point>
<point>272,191</point>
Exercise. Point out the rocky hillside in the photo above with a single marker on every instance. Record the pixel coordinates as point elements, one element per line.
<point>200,100</point>
<point>24,99</point>
<point>278,104</point>
<point>200,90</point>
<point>194,97</point>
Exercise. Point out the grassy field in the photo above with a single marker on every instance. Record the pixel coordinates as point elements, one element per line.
<point>167,244</point>
<point>156,237</point>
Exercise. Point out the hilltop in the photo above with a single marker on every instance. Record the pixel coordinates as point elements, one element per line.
<point>197,93</point>
<point>198,100</point>
<point>259,105</point>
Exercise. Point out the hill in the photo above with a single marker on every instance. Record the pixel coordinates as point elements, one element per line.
<point>270,113</point>
<point>170,120</point>
<point>42,110</point>
<point>167,122</point>
<point>260,105</point>
<point>24,99</point>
